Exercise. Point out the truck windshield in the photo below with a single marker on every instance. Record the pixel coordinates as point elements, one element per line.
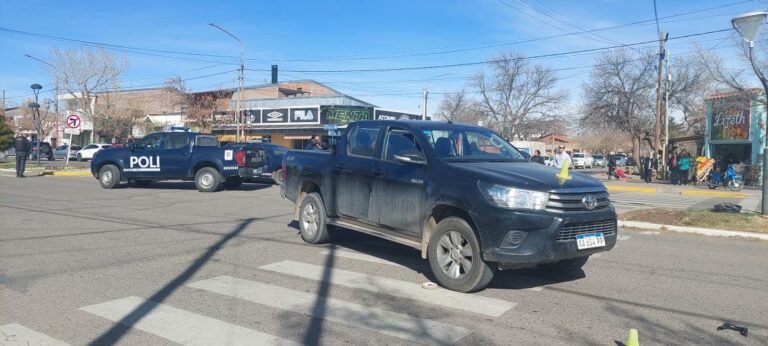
<point>467,144</point>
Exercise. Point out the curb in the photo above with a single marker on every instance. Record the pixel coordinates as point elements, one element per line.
<point>695,230</point>
<point>68,173</point>
<point>631,188</point>
<point>713,193</point>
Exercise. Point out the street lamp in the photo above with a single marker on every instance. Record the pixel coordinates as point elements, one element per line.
<point>240,82</point>
<point>35,117</point>
<point>55,91</point>
<point>748,25</point>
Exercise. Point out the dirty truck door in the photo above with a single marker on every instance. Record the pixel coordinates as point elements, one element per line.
<point>397,198</point>
<point>144,160</point>
<point>176,155</point>
<point>352,173</point>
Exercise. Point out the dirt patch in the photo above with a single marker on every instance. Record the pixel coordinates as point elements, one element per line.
<point>748,222</point>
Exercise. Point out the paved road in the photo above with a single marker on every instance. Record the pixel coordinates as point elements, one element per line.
<point>168,264</point>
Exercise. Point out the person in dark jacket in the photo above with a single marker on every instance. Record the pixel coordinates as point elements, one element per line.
<point>649,166</point>
<point>611,166</point>
<point>314,144</point>
<point>537,157</point>
<point>22,146</point>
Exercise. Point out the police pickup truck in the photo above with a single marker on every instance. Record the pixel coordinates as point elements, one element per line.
<point>463,196</point>
<point>178,156</point>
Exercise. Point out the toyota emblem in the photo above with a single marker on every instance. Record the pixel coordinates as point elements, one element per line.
<point>589,201</point>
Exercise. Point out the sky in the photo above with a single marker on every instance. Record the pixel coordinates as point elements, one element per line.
<point>324,40</point>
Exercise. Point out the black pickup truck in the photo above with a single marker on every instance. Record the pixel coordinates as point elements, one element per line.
<point>463,196</point>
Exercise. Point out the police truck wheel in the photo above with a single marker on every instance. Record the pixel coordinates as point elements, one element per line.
<point>109,176</point>
<point>207,179</point>
<point>277,177</point>
<point>564,267</point>
<point>233,183</point>
<point>455,257</point>
<point>313,221</point>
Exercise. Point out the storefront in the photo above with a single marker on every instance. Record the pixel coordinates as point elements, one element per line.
<point>735,132</point>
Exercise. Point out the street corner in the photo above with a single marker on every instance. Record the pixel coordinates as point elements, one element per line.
<point>78,173</point>
<point>729,194</point>
<point>631,188</point>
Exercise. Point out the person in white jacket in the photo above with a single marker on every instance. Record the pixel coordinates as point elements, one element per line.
<point>560,157</point>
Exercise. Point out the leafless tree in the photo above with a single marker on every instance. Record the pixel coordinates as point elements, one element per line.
<point>459,108</point>
<point>42,125</point>
<point>517,97</point>
<point>620,94</point>
<point>690,84</point>
<point>84,73</point>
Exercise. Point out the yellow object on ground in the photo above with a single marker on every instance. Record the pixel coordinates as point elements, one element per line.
<point>713,193</point>
<point>631,188</point>
<point>632,338</point>
<point>72,173</point>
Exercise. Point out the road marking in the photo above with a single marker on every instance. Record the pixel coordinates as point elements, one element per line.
<point>181,326</point>
<point>16,334</point>
<point>631,188</point>
<point>376,320</point>
<point>712,193</point>
<point>650,232</point>
<point>597,255</point>
<point>439,296</point>
<point>623,237</point>
<point>360,256</point>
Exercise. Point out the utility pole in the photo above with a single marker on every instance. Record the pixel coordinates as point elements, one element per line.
<point>657,124</point>
<point>240,84</point>
<point>667,82</point>
<point>426,95</point>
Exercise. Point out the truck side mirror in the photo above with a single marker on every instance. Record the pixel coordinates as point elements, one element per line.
<point>411,156</point>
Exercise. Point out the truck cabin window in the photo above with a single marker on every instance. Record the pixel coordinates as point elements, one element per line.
<point>397,142</point>
<point>152,142</point>
<point>177,140</point>
<point>458,144</point>
<point>206,141</point>
<point>362,141</point>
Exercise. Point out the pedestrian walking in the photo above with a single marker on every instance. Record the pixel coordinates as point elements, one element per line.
<point>537,157</point>
<point>22,146</point>
<point>684,164</point>
<point>611,166</point>
<point>672,164</point>
<point>560,157</point>
<point>649,165</point>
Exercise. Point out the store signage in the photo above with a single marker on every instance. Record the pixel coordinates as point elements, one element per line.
<point>252,116</point>
<point>305,115</point>
<point>342,115</point>
<point>730,120</point>
<point>389,115</point>
<point>274,116</point>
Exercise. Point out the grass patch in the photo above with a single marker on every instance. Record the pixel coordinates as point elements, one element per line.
<point>744,221</point>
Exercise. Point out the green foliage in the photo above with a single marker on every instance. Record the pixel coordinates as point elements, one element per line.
<point>6,135</point>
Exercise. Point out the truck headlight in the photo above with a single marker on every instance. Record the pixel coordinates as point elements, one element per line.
<point>513,198</point>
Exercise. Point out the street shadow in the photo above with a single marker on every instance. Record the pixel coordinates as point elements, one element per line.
<point>314,331</point>
<point>188,185</point>
<point>118,331</point>
<point>520,279</point>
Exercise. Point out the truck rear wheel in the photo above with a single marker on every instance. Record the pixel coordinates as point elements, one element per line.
<point>207,179</point>
<point>109,176</point>
<point>564,267</point>
<point>455,257</point>
<point>313,221</point>
<point>277,177</point>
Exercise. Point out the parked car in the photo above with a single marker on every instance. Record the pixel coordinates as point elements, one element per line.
<point>90,150</point>
<point>598,160</point>
<point>581,160</point>
<point>61,152</point>
<point>45,151</point>
<point>273,159</point>
<point>177,156</point>
<point>460,194</point>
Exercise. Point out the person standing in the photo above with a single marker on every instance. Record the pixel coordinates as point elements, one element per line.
<point>611,167</point>
<point>22,146</point>
<point>560,157</point>
<point>314,144</point>
<point>672,164</point>
<point>649,165</point>
<point>537,157</point>
<point>684,164</point>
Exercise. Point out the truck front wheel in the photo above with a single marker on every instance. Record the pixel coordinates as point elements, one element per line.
<point>207,179</point>
<point>109,176</point>
<point>455,257</point>
<point>313,221</point>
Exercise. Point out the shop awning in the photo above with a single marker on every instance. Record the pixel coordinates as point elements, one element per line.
<point>298,137</point>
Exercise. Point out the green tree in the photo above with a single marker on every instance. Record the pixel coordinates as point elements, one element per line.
<point>6,134</point>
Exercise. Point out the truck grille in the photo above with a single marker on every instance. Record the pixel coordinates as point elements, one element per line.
<point>561,202</point>
<point>570,231</point>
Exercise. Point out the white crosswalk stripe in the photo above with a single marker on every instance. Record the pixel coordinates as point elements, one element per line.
<point>629,200</point>
<point>15,334</point>
<point>381,321</point>
<point>360,257</point>
<point>181,326</point>
<point>442,297</point>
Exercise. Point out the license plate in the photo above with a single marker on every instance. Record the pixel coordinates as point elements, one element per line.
<point>590,240</point>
